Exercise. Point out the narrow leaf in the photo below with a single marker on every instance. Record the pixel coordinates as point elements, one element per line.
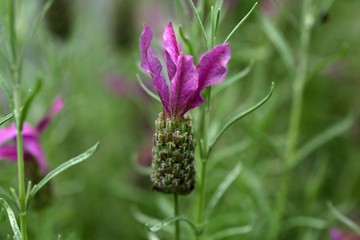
<point>232,232</point>
<point>324,137</point>
<point>240,23</point>
<point>345,220</point>
<point>344,49</point>
<point>237,118</point>
<point>5,89</point>
<point>32,30</point>
<point>2,215</point>
<point>170,220</point>
<point>199,21</point>
<point>29,100</point>
<point>240,75</point>
<point>310,222</point>
<point>12,219</point>
<point>152,236</point>
<point>6,118</point>
<point>5,194</point>
<point>186,41</point>
<point>147,90</point>
<point>278,41</point>
<point>59,169</point>
<point>225,184</point>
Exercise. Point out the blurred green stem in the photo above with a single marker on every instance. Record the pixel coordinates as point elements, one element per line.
<point>295,118</point>
<point>176,213</point>
<point>17,116</point>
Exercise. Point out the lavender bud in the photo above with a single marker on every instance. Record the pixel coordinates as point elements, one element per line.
<point>173,168</point>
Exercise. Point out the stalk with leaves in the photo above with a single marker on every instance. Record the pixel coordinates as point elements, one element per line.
<point>173,152</point>
<point>27,138</point>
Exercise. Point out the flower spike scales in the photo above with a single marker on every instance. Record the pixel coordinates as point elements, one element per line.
<point>173,169</point>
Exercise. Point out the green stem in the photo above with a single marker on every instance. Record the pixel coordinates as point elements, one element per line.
<point>295,120</point>
<point>202,193</point>
<point>17,116</point>
<point>176,213</point>
<point>20,162</point>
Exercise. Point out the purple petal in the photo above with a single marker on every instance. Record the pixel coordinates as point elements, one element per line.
<point>211,69</point>
<point>335,234</point>
<point>8,152</point>
<point>183,86</point>
<point>56,107</point>
<point>7,134</point>
<point>151,64</point>
<point>171,50</point>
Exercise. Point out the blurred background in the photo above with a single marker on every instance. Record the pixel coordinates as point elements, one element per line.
<point>87,52</point>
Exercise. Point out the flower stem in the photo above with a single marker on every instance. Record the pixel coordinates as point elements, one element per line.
<point>17,116</point>
<point>295,120</point>
<point>176,213</point>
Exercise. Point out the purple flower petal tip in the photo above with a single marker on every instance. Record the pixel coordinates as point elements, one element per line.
<point>335,234</point>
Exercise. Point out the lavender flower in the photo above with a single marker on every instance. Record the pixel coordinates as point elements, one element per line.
<point>31,138</point>
<point>173,169</point>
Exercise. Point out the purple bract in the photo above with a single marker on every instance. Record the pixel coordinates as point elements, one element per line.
<point>186,80</point>
<point>31,138</point>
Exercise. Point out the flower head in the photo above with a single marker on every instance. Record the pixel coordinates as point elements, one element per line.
<point>186,80</point>
<point>31,139</point>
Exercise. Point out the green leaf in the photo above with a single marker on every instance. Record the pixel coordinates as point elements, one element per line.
<point>342,52</point>
<point>345,220</point>
<point>310,222</point>
<point>199,21</point>
<point>228,152</point>
<point>32,31</point>
<point>2,215</point>
<point>225,184</point>
<point>232,232</point>
<point>237,117</point>
<point>240,23</point>
<point>324,137</point>
<point>6,118</point>
<point>85,155</point>
<point>148,91</point>
<point>5,194</point>
<point>5,89</point>
<point>186,41</point>
<point>152,236</point>
<point>170,220</point>
<point>240,75</point>
<point>12,219</point>
<point>29,100</point>
<point>278,41</point>
<point>218,4</point>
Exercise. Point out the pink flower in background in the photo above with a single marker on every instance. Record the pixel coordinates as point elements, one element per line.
<point>126,88</point>
<point>336,234</point>
<point>270,9</point>
<point>186,80</point>
<point>31,138</point>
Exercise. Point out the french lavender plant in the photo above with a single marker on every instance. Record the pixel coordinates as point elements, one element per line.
<point>173,168</point>
<point>20,142</point>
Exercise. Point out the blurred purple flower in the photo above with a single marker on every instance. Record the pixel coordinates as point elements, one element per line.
<point>186,80</point>
<point>335,234</point>
<point>270,9</point>
<point>31,138</point>
<point>125,88</point>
